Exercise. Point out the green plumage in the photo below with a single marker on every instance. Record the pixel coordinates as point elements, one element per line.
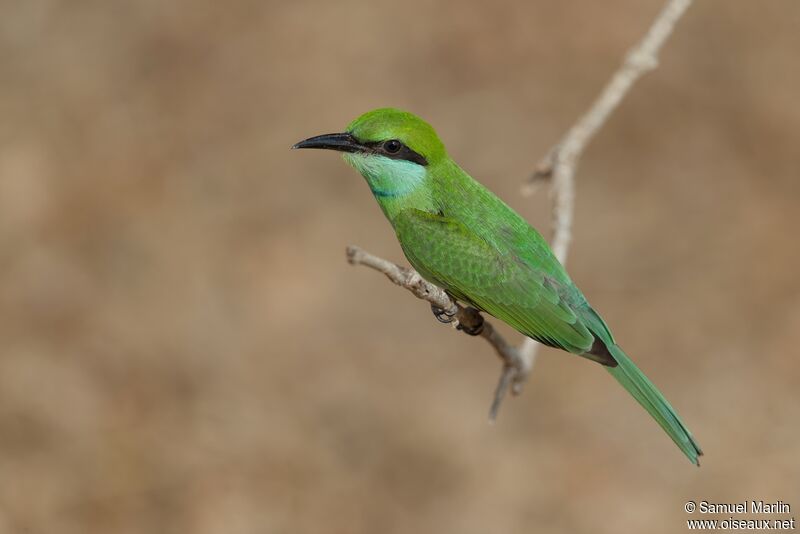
<point>463,238</point>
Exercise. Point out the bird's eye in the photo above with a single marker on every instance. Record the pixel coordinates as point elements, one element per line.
<point>392,146</point>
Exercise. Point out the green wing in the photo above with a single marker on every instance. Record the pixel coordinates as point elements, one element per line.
<point>445,252</point>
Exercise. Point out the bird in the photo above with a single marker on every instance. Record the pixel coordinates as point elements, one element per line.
<point>463,238</point>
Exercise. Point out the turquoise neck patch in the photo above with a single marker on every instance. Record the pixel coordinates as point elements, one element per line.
<point>387,178</point>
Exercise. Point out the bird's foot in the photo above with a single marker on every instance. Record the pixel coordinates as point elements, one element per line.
<point>442,315</point>
<point>471,322</point>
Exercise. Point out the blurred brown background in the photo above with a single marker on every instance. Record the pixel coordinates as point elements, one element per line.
<point>184,349</point>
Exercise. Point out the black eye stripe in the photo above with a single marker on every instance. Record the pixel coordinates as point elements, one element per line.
<point>378,147</point>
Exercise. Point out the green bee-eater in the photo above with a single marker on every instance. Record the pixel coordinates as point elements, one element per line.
<point>463,238</point>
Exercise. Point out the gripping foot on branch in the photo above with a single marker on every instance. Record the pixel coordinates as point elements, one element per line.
<point>442,315</point>
<point>516,364</point>
<point>470,321</point>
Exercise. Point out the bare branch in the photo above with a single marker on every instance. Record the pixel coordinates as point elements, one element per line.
<point>464,318</point>
<point>558,168</point>
<point>563,158</point>
<point>403,277</point>
<point>560,163</point>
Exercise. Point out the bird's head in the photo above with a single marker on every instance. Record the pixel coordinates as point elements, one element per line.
<point>392,149</point>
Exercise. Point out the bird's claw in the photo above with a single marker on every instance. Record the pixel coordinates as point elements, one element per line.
<point>442,315</point>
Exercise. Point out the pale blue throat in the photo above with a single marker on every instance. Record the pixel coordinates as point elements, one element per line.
<point>387,177</point>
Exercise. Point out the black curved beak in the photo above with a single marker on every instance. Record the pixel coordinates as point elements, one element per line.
<point>343,142</point>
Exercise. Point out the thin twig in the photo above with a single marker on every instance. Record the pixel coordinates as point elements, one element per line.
<point>403,277</point>
<point>464,318</point>
<point>560,164</point>
<point>558,168</point>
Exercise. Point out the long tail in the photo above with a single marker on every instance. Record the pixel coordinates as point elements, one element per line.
<point>638,385</point>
